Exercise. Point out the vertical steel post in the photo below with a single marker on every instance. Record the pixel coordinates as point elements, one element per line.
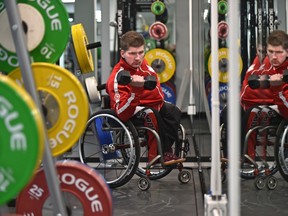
<point>215,183</point>
<point>234,110</point>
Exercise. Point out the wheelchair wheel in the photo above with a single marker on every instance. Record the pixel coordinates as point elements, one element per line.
<point>281,149</point>
<point>111,147</point>
<point>158,171</point>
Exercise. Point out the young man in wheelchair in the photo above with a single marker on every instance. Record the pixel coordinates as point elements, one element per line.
<point>135,102</point>
<point>266,103</point>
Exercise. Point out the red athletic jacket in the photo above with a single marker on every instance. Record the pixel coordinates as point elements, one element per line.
<point>251,97</point>
<point>125,98</point>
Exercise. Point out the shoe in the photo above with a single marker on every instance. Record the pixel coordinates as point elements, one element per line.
<point>170,158</point>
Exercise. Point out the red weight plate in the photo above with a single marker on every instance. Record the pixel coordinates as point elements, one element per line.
<point>84,190</point>
<point>158,31</point>
<point>223,30</point>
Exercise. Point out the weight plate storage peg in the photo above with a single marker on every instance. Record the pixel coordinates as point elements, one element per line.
<point>80,42</point>
<point>162,62</point>
<point>46,27</point>
<point>223,65</point>
<point>158,31</point>
<point>21,139</point>
<point>64,101</point>
<point>84,190</point>
<point>157,8</point>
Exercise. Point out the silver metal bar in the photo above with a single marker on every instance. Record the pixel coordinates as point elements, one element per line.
<point>234,109</point>
<point>216,187</point>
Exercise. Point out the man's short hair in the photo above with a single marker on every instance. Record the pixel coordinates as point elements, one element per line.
<point>278,38</point>
<point>131,39</point>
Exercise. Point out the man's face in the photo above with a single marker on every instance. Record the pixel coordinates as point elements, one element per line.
<point>276,54</point>
<point>134,56</point>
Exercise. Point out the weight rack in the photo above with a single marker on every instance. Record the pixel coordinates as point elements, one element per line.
<point>29,83</point>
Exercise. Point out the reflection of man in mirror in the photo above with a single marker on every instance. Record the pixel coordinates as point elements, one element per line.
<point>261,52</point>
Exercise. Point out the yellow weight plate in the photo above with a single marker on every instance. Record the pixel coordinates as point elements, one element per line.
<point>80,41</point>
<point>65,104</point>
<point>223,64</point>
<point>162,62</point>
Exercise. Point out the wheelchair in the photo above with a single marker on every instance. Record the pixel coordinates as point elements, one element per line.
<point>149,170</point>
<point>263,166</point>
<point>281,149</point>
<point>118,150</point>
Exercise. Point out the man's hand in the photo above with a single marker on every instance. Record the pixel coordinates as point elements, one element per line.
<point>276,79</point>
<point>137,81</point>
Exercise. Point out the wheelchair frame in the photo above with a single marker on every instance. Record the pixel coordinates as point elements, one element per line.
<point>117,159</point>
<point>258,168</point>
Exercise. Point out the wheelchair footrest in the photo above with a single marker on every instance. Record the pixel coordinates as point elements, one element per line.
<point>171,162</point>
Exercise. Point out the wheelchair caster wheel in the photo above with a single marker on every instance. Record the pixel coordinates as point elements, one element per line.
<point>184,177</point>
<point>144,184</point>
<point>260,182</point>
<point>271,183</point>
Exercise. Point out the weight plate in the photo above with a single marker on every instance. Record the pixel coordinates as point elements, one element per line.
<point>65,101</point>
<point>157,8</point>
<point>158,31</point>
<point>46,27</point>
<point>169,93</point>
<point>223,64</point>
<point>84,190</point>
<point>223,30</point>
<point>21,138</point>
<point>84,56</point>
<point>93,93</point>
<point>105,139</point>
<point>149,44</point>
<point>223,95</point>
<point>222,7</point>
<point>162,62</point>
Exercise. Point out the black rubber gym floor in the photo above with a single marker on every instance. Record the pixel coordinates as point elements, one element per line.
<point>169,197</point>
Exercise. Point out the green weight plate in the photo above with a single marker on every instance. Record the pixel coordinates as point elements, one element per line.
<point>46,27</point>
<point>21,142</point>
<point>222,7</point>
<point>158,7</point>
<point>150,44</point>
